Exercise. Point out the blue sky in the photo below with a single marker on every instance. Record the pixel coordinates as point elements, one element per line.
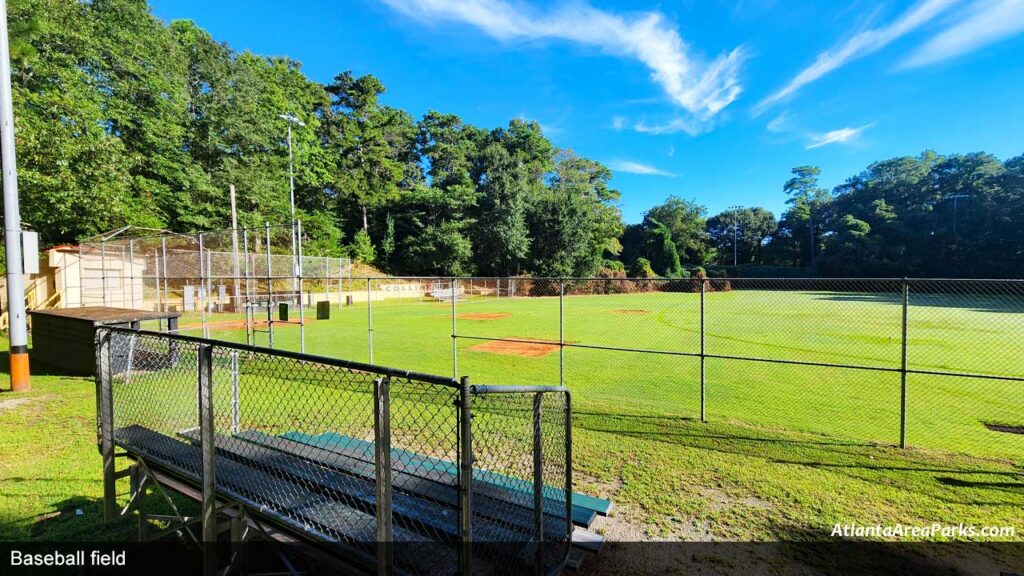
<point>708,99</point>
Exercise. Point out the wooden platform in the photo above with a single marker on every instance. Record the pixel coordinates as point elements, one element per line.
<point>64,339</point>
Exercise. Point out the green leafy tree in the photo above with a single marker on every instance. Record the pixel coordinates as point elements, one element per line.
<point>807,200</point>
<point>685,220</point>
<point>374,145</point>
<point>747,230</point>
<point>362,250</point>
<point>502,239</point>
<point>575,221</point>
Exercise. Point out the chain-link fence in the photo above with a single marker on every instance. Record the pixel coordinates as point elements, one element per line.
<point>447,473</point>
<point>930,363</point>
<point>246,284</point>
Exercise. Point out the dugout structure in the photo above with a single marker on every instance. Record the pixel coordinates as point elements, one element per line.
<point>386,470</point>
<point>233,277</point>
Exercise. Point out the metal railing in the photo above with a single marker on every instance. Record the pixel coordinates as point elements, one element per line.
<point>406,471</point>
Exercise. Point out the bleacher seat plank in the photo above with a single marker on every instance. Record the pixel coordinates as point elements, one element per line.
<point>485,504</point>
<point>413,513</point>
<point>512,490</point>
<point>292,504</point>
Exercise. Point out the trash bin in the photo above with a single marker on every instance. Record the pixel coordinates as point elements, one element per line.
<point>323,310</point>
<point>282,311</point>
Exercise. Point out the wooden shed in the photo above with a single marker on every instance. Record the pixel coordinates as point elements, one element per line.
<point>65,338</point>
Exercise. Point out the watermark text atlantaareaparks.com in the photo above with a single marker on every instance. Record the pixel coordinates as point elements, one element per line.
<point>933,530</point>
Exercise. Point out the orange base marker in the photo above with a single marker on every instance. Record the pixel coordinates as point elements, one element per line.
<point>20,380</point>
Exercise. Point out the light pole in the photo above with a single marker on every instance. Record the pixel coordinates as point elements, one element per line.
<point>292,119</point>
<point>735,234</point>
<point>954,198</point>
<point>12,219</point>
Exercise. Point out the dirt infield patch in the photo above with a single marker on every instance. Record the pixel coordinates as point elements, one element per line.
<point>631,312</point>
<point>483,316</point>
<point>534,349</point>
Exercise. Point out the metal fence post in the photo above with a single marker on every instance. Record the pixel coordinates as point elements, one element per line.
<point>105,424</point>
<point>382,465</point>
<point>206,435</point>
<point>201,293</point>
<point>561,331</point>
<point>903,367</point>
<point>465,478</point>
<point>568,467</point>
<point>455,351</point>
<point>167,294</point>
<point>236,406</point>
<point>103,270</point>
<point>131,268</point>
<point>341,285</point>
<point>369,315</point>
<point>249,336</point>
<point>270,291</point>
<point>703,375</point>
<point>298,280</point>
<point>538,484</point>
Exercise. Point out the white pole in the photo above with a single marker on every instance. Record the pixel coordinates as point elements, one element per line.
<point>20,380</point>
<point>234,249</point>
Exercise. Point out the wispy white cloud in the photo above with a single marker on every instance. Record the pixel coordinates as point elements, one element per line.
<point>837,136</point>
<point>638,168</point>
<point>691,126</point>
<point>986,22</point>
<point>780,123</point>
<point>859,45</point>
<point>701,88</point>
<point>671,151</point>
<point>618,123</point>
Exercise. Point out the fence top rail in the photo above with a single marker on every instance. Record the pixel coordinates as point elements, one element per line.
<point>372,368</point>
<point>483,390</point>
<point>743,278</point>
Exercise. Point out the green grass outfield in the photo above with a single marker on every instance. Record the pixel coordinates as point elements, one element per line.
<point>976,335</point>
<point>669,478</point>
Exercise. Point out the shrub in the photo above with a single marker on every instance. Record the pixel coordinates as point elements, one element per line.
<point>641,268</point>
<point>361,248</point>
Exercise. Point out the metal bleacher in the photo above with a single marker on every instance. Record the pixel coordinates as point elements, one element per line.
<point>383,470</point>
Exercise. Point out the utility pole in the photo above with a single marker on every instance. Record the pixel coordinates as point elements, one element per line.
<point>735,237</point>
<point>735,210</point>
<point>20,380</point>
<point>292,119</point>
<point>810,220</point>
<point>956,197</point>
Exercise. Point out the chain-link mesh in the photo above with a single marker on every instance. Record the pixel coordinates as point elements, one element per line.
<point>226,284</point>
<point>518,439</point>
<point>304,441</point>
<point>824,356</point>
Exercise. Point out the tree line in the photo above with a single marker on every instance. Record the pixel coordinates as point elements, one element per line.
<point>122,119</point>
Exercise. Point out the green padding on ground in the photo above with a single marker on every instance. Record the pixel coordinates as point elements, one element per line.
<point>335,441</point>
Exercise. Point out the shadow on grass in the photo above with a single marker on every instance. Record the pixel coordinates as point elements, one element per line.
<point>1007,303</point>
<point>78,518</point>
<point>36,368</point>
<point>946,477</point>
<point>1017,487</point>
